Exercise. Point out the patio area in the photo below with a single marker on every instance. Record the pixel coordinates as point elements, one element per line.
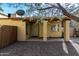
<point>40,48</point>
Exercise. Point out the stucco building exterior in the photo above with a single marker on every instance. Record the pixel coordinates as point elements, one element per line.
<point>47,27</point>
<point>34,28</point>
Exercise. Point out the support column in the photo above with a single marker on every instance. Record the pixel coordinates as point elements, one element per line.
<point>44,30</point>
<point>66,30</point>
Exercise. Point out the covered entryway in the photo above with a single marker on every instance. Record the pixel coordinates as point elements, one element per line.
<point>32,29</point>
<point>44,30</point>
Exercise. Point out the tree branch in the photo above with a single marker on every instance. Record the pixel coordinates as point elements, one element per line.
<point>52,6</point>
<point>45,8</point>
<point>66,13</point>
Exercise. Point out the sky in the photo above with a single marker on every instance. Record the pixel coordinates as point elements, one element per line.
<point>8,9</point>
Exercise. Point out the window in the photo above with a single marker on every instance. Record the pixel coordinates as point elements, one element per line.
<point>54,27</point>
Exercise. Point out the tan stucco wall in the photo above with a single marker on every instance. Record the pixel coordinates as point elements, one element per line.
<point>50,32</point>
<point>21,27</point>
<point>56,33</point>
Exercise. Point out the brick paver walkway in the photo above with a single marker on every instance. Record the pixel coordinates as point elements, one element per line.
<point>40,48</point>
